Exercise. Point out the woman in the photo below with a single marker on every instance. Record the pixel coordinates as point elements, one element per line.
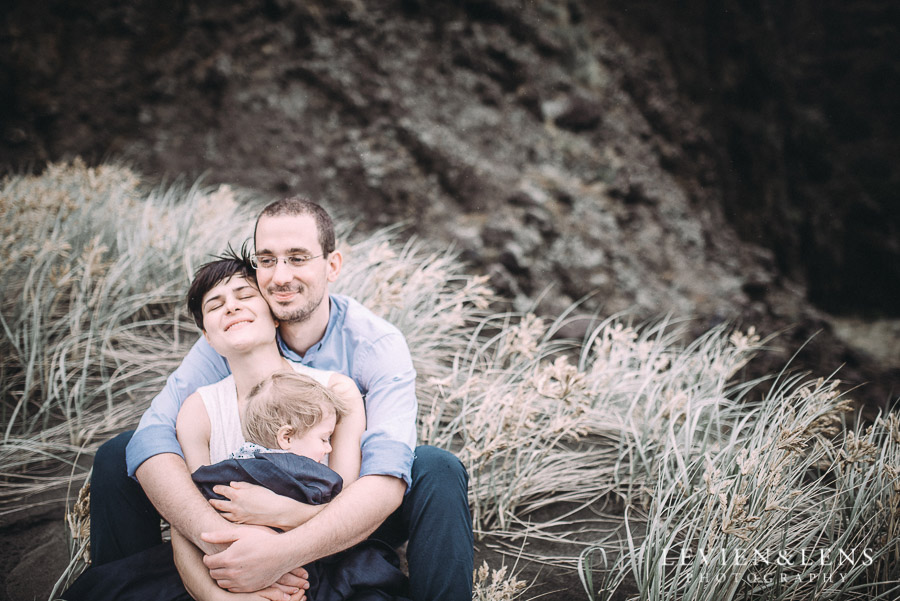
<point>238,324</point>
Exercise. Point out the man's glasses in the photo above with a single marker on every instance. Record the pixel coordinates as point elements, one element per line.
<point>270,261</point>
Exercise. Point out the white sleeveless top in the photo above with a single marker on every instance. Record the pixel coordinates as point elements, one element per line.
<point>220,400</point>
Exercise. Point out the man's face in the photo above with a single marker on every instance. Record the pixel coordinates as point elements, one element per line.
<point>293,293</point>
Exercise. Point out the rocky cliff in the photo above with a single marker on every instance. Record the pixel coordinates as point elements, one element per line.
<point>722,160</point>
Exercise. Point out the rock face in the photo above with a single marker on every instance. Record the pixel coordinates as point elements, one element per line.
<point>802,100</point>
<point>565,149</point>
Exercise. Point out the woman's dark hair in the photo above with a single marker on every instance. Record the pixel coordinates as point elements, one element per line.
<point>225,266</point>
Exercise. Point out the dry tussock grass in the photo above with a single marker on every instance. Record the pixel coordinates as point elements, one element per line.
<point>790,506</point>
<point>91,316</point>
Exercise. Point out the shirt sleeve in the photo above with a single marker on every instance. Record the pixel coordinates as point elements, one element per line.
<point>156,432</point>
<point>386,373</point>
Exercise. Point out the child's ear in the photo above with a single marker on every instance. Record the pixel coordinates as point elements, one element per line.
<point>283,437</point>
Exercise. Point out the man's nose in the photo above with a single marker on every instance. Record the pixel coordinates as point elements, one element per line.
<point>281,274</point>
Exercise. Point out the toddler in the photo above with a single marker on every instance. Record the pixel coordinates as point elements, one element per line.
<point>290,412</point>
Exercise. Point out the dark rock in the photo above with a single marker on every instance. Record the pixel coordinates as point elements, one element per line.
<point>529,98</point>
<point>799,102</point>
<point>755,290</point>
<point>513,258</point>
<point>695,166</point>
<point>34,554</point>
<point>582,114</point>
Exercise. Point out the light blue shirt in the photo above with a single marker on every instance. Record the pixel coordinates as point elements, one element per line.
<point>356,343</point>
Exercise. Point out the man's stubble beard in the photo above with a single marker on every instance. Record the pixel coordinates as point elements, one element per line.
<point>300,315</point>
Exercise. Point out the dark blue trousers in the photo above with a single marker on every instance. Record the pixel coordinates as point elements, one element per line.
<point>434,518</point>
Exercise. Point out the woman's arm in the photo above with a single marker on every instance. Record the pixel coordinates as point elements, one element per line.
<point>345,456</point>
<point>192,429</point>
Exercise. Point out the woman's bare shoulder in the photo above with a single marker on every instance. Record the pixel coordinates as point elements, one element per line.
<point>193,413</point>
<point>341,384</point>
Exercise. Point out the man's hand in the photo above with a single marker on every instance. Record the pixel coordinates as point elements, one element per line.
<point>252,504</point>
<point>201,586</point>
<point>253,561</point>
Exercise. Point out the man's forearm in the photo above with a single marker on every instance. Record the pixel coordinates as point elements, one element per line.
<point>167,483</point>
<point>348,519</point>
<point>297,515</point>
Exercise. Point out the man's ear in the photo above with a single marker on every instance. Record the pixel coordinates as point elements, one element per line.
<point>283,437</point>
<point>335,261</point>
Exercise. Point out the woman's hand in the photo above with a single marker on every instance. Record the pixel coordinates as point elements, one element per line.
<point>268,594</point>
<point>252,504</point>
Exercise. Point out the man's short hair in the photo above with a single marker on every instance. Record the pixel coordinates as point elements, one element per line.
<point>298,205</point>
<point>224,267</point>
<point>287,398</point>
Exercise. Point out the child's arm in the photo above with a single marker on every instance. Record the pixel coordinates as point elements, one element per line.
<point>254,504</point>
<point>192,429</point>
<point>345,456</point>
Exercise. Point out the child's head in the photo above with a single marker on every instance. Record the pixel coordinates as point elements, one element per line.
<point>292,412</point>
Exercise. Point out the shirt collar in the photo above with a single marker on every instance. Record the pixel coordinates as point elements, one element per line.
<point>291,354</point>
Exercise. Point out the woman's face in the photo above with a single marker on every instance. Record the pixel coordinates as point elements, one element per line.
<point>236,317</point>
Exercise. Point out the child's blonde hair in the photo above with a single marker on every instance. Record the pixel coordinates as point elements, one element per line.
<point>287,398</point>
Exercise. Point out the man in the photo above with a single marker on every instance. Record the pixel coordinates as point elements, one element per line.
<point>419,496</point>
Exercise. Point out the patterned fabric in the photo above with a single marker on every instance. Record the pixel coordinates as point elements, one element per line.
<point>248,450</point>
